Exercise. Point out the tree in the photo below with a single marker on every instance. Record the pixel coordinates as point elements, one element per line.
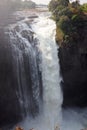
<point>58,8</point>
<point>69,19</point>
<point>55,3</point>
<point>84,8</point>
<point>76,4</point>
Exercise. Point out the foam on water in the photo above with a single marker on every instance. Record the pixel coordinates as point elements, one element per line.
<point>52,95</point>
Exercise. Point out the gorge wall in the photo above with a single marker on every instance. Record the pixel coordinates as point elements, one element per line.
<point>73,64</point>
<point>71,37</point>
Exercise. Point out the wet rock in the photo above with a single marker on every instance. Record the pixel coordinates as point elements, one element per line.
<point>18,128</point>
<point>73,64</point>
<point>28,22</point>
<point>28,35</point>
<point>35,16</point>
<point>17,28</point>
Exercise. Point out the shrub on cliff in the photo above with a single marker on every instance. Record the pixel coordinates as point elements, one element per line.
<point>84,8</point>
<point>57,7</point>
<point>69,20</point>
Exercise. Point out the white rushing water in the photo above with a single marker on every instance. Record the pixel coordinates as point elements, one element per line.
<point>52,96</point>
<point>22,50</point>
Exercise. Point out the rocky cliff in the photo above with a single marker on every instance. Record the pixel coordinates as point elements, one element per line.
<point>71,37</point>
<point>73,63</point>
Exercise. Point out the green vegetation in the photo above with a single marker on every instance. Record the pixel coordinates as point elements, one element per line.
<point>70,19</point>
<point>84,8</point>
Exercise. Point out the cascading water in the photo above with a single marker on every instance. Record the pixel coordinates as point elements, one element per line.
<point>52,96</point>
<point>25,58</point>
<point>52,118</point>
<point>50,115</point>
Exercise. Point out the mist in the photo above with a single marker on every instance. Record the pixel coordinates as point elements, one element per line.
<point>7,7</point>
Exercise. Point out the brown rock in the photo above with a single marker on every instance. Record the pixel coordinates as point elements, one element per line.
<point>18,128</point>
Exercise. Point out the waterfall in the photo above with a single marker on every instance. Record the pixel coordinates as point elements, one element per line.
<point>37,77</point>
<point>30,55</point>
<point>25,58</point>
<point>52,117</point>
<point>52,95</point>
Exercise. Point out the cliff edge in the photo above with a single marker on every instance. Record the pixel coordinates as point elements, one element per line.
<point>71,36</point>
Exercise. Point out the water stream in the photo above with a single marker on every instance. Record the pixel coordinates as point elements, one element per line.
<point>52,95</point>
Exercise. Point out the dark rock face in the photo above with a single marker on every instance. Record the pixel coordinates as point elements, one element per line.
<point>73,64</point>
